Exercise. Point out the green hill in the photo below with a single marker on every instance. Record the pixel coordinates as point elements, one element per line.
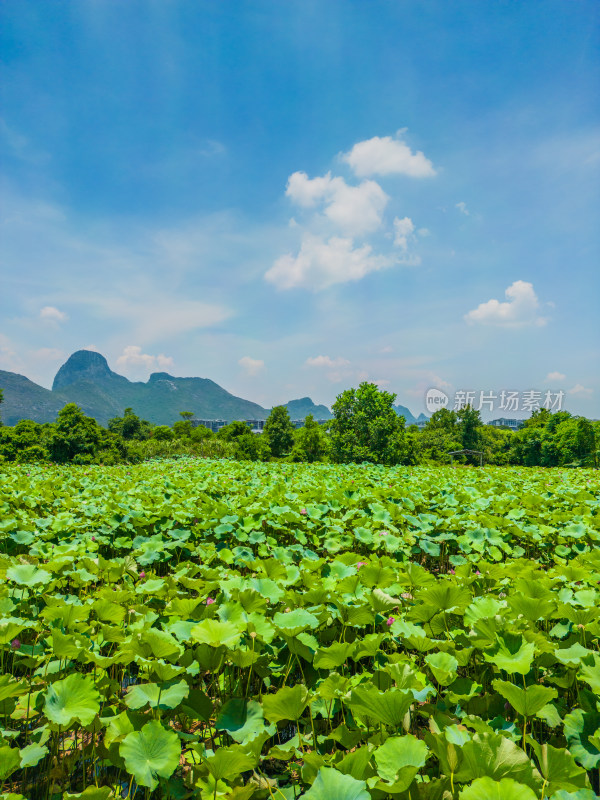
<point>86,379</point>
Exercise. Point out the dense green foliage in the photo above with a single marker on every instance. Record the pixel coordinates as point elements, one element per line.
<point>212,629</point>
<point>365,428</point>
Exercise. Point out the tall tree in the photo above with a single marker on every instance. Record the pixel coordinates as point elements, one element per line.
<point>310,442</point>
<point>366,427</point>
<point>279,431</point>
<point>469,422</point>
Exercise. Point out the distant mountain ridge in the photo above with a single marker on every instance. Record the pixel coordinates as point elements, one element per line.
<point>86,379</point>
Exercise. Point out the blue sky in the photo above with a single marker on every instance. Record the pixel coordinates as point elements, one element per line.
<point>290,198</point>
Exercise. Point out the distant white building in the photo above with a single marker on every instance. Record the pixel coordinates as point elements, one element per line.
<point>504,422</point>
<point>255,425</point>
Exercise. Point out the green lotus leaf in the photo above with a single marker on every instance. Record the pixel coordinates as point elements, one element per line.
<point>91,793</point>
<point>494,756</point>
<point>512,654</point>
<point>399,759</point>
<point>31,754</point>
<point>333,785</point>
<point>296,621</point>
<point>74,699</point>
<point>332,656</point>
<point>591,674</point>
<point>216,633</point>
<point>445,597</point>
<point>267,588</point>
<point>10,628</point>
<point>481,608</point>
<point>580,794</point>
<point>10,687</point>
<point>10,760</point>
<point>166,695</point>
<point>559,768</point>
<point>526,702</point>
<point>580,726</point>
<point>229,762</point>
<point>162,644</point>
<point>242,719</point>
<point>28,575</point>
<point>151,586</point>
<point>572,656</point>
<point>504,789</point>
<point>286,704</point>
<point>151,753</point>
<point>389,707</point>
<point>443,666</point>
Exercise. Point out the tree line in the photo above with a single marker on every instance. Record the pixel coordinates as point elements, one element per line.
<point>364,428</point>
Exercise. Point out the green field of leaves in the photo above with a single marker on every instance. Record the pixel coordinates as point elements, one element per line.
<point>213,629</point>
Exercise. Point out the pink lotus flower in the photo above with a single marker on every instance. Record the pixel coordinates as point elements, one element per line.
<point>15,644</point>
<point>93,538</point>
<point>390,621</point>
<point>360,564</point>
<point>452,572</point>
<point>303,511</point>
<point>210,601</point>
<point>142,574</point>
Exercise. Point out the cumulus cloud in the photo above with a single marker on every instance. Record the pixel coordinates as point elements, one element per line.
<point>155,318</point>
<point>404,231</point>
<point>326,361</point>
<point>251,366</point>
<point>520,309</point>
<point>48,354</point>
<point>52,314</point>
<point>383,155</point>
<point>358,209</point>
<point>321,263</point>
<point>133,359</point>
<point>555,376</point>
<point>462,207</point>
<point>581,390</point>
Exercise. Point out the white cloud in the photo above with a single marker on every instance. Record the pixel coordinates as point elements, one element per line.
<point>555,376</point>
<point>582,390</point>
<point>326,361</point>
<point>336,369</point>
<point>427,380</point>
<point>307,192</point>
<point>462,207</point>
<point>321,263</point>
<point>521,308</point>
<point>48,354</point>
<point>357,209</point>
<point>251,366</point>
<point>383,155</point>
<point>133,359</point>
<point>404,230</point>
<point>52,314</point>
<point>152,319</point>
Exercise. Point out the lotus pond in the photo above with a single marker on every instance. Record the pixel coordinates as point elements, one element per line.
<point>212,629</point>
